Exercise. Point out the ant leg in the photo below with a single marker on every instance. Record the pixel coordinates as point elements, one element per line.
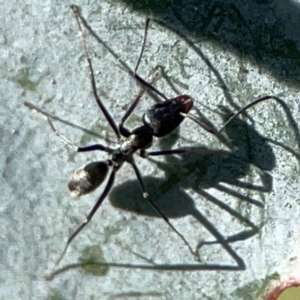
<point>88,219</point>
<point>53,117</point>
<point>145,194</point>
<point>143,82</point>
<point>139,177</point>
<point>195,254</point>
<point>146,85</point>
<point>68,142</point>
<point>143,45</point>
<point>136,76</point>
<point>241,236</point>
<point>95,147</point>
<point>213,130</point>
<point>48,117</point>
<point>202,150</point>
<point>254,102</point>
<point>62,137</point>
<point>155,77</point>
<point>201,124</point>
<point>92,78</point>
<point>79,149</point>
<point>220,239</point>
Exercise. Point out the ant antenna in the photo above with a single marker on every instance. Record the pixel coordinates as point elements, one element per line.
<point>216,132</point>
<point>140,79</point>
<point>254,102</point>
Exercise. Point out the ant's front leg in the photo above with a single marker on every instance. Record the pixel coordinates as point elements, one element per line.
<point>155,77</point>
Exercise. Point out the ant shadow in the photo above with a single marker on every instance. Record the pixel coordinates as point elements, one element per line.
<point>262,31</point>
<point>201,171</point>
<point>208,168</point>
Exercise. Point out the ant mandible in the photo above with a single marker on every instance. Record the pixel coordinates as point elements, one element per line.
<point>158,121</point>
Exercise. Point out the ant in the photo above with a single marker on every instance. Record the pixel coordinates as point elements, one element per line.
<point>158,121</point>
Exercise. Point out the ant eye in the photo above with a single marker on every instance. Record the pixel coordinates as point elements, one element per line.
<point>87,178</point>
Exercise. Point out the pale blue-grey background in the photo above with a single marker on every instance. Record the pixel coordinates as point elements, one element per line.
<point>42,61</point>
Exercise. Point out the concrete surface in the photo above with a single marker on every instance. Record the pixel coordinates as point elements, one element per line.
<point>42,62</point>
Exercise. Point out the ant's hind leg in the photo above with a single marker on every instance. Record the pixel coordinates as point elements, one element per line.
<point>87,220</point>
<point>159,212</point>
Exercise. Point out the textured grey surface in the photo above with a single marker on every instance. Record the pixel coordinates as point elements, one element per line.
<point>42,61</point>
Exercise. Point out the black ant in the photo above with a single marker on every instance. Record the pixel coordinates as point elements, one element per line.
<point>158,121</point>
